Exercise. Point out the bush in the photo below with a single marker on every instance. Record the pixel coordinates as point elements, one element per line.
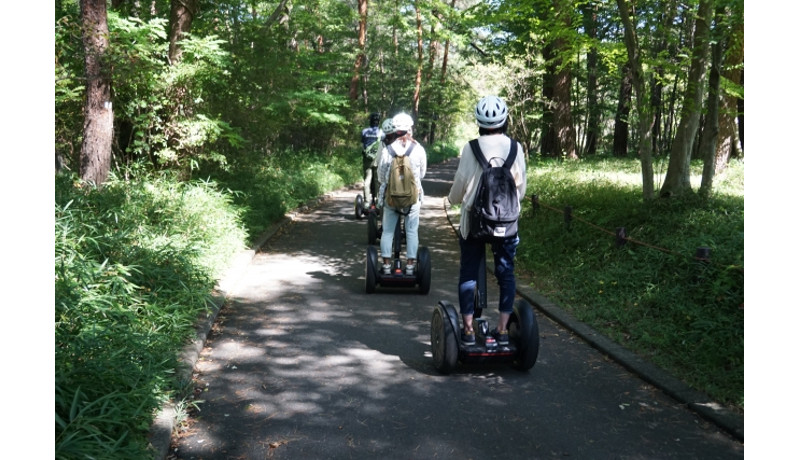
<point>135,264</point>
<point>651,294</point>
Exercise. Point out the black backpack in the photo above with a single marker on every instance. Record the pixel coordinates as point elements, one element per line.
<point>495,212</point>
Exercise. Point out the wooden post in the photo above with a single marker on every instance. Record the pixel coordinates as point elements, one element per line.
<point>622,238</point>
<point>568,217</point>
<point>703,254</point>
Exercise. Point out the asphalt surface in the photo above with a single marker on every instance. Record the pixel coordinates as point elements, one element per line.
<point>300,362</point>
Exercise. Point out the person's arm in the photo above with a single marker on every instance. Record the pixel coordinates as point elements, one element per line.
<point>383,166</point>
<point>460,180</point>
<point>424,166</point>
<point>521,176</point>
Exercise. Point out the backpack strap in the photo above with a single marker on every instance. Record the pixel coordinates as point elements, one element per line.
<point>408,151</point>
<point>410,148</point>
<point>476,149</point>
<point>512,155</point>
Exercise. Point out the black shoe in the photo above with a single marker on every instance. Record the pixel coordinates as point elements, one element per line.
<point>467,338</point>
<point>501,337</point>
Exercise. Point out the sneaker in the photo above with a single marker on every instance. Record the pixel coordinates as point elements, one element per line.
<point>410,269</point>
<point>387,269</point>
<point>467,338</point>
<point>500,336</point>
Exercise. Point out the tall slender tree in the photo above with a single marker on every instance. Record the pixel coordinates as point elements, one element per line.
<point>642,104</point>
<point>710,132</point>
<point>661,46</point>
<point>589,11</point>
<point>677,180</point>
<point>732,75</point>
<point>98,125</point>
<point>623,112</point>
<point>362,43</point>
<point>181,15</point>
<point>420,57</point>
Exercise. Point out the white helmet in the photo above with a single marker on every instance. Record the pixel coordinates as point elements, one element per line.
<point>388,126</point>
<point>402,122</point>
<point>491,112</point>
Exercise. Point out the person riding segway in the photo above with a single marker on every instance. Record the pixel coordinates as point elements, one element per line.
<point>371,141</point>
<point>400,171</point>
<point>374,229</point>
<point>489,182</point>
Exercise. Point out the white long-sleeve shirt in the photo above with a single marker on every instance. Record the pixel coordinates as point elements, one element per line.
<point>465,182</point>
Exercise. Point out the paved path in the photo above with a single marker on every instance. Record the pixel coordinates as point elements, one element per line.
<point>303,364</point>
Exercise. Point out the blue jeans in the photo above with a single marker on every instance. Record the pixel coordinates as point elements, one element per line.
<point>472,251</point>
<point>390,217</point>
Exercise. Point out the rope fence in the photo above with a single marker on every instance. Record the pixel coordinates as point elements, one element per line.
<point>702,254</point>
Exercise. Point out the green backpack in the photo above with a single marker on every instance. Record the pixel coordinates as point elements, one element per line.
<point>401,191</point>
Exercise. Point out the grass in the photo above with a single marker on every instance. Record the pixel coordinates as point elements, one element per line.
<point>650,294</point>
<point>135,264</point>
<point>266,188</point>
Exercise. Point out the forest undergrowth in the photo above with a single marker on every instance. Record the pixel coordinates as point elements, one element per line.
<point>645,289</point>
<point>136,262</point>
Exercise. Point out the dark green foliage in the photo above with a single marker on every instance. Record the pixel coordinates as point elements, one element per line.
<point>161,116</point>
<point>260,104</point>
<point>651,294</point>
<point>267,187</point>
<point>134,265</point>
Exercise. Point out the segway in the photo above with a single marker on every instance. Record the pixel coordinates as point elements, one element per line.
<point>398,277</point>
<point>448,349</point>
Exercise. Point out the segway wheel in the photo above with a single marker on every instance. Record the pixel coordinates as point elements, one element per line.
<point>523,330</point>
<point>424,270</point>
<point>372,228</point>
<point>444,347</point>
<point>359,206</point>
<point>372,269</point>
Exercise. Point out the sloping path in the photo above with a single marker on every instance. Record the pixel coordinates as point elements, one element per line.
<point>303,364</point>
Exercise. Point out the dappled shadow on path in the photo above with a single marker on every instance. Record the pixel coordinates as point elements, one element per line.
<point>304,364</point>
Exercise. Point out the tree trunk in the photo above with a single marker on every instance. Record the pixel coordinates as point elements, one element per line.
<point>740,116</point>
<point>593,122</point>
<point>642,104</point>
<point>181,15</point>
<point>549,139</point>
<point>98,125</point>
<point>621,128</point>
<point>362,42</point>
<point>708,143</point>
<point>567,146</point>
<point>442,79</point>
<point>433,51</point>
<point>677,180</point>
<point>657,86</point>
<point>562,88</point>
<point>280,9</point>
<point>420,58</point>
<point>727,146</point>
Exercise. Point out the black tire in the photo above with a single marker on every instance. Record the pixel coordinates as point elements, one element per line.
<point>444,346</point>
<point>372,228</point>
<point>359,206</point>
<point>372,269</point>
<point>424,270</point>
<point>523,330</point>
